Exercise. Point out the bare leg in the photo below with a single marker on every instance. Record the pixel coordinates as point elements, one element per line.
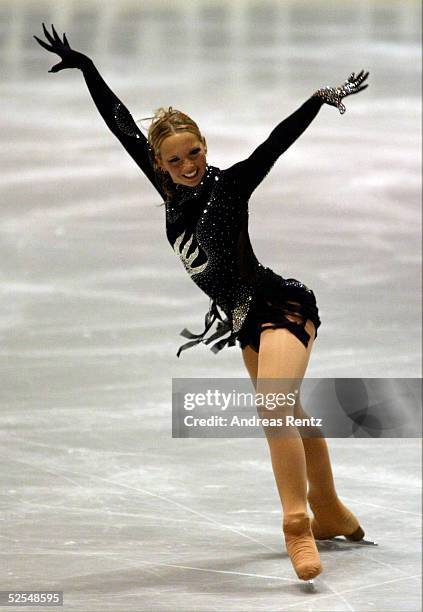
<point>332,518</point>
<point>282,362</point>
<point>319,469</point>
<point>284,358</point>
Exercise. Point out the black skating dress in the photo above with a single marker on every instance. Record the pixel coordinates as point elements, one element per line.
<point>207,226</point>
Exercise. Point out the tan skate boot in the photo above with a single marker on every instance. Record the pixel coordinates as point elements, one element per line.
<point>332,519</point>
<point>301,546</point>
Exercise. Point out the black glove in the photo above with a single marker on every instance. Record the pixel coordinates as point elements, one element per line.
<point>69,57</point>
<point>334,95</point>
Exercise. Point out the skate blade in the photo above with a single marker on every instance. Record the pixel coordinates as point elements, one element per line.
<point>309,586</point>
<point>345,540</point>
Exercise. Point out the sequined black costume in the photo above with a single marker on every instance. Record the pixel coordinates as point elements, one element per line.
<point>207,226</point>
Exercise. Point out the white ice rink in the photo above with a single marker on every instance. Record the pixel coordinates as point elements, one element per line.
<point>97,499</point>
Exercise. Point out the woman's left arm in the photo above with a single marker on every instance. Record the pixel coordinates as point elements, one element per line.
<point>250,172</point>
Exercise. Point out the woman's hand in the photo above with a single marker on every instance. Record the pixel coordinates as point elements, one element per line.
<point>334,95</point>
<point>69,57</point>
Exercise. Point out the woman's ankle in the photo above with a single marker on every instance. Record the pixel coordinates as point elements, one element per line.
<point>316,500</point>
<point>296,523</point>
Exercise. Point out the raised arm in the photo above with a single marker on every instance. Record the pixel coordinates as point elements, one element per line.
<point>114,113</point>
<point>250,172</point>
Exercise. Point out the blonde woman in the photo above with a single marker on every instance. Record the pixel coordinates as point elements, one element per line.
<point>274,319</point>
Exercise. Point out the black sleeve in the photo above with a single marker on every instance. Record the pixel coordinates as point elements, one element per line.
<point>120,122</point>
<point>249,173</point>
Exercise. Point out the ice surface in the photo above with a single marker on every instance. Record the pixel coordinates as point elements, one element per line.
<point>97,499</point>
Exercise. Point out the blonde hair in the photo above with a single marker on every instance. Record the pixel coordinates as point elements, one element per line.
<point>167,122</point>
<point>164,123</point>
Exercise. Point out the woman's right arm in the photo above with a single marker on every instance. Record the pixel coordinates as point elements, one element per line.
<point>114,113</point>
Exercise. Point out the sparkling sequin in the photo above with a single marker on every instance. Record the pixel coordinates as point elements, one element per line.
<point>124,121</point>
<point>292,282</point>
<point>239,314</point>
<point>188,260</point>
<point>334,95</point>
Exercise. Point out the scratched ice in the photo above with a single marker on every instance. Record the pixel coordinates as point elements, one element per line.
<point>97,499</point>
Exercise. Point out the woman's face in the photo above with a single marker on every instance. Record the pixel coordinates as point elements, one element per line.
<point>183,155</point>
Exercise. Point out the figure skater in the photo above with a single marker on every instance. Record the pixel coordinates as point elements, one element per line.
<point>274,319</point>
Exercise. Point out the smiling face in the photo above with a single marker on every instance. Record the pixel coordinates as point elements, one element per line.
<point>183,155</point>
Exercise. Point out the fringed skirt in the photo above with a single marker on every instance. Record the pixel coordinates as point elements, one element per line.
<point>276,302</point>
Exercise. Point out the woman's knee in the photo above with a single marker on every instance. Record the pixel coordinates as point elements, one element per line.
<point>276,399</point>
